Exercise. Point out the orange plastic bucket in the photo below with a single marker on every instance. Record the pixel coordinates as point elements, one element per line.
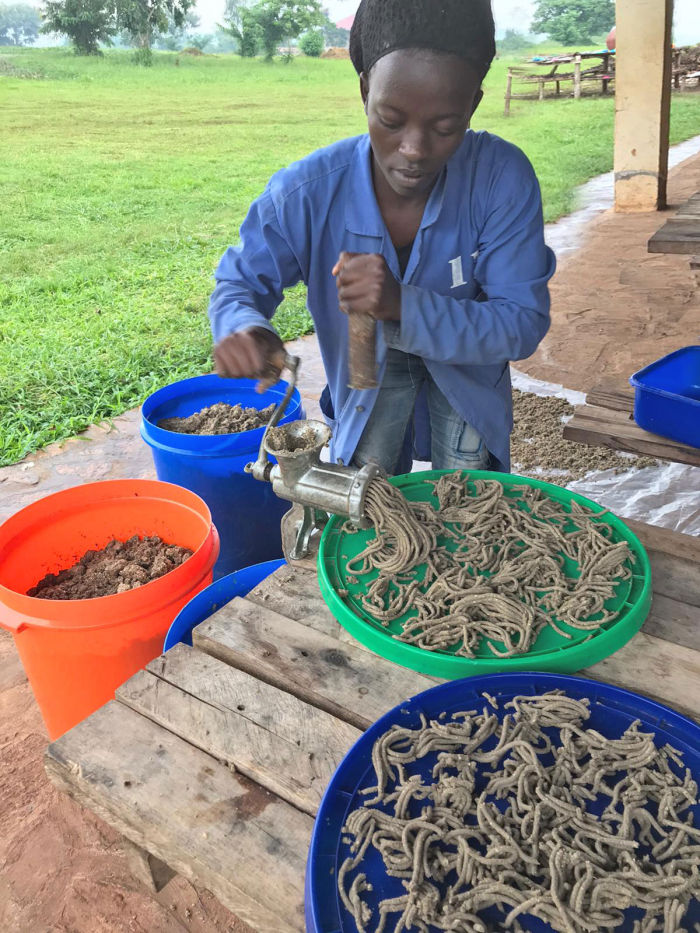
<point>76,652</point>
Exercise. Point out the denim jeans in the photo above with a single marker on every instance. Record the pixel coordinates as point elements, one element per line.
<point>455,444</point>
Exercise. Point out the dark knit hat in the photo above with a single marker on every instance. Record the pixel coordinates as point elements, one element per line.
<point>462,27</point>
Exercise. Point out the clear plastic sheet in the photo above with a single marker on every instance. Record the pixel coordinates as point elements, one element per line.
<point>667,494</point>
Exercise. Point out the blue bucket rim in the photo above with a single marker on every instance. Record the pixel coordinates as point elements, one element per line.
<point>197,606</point>
<point>637,379</point>
<point>212,445</point>
<point>681,728</point>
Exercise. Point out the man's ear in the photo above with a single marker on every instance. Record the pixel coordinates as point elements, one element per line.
<point>478,97</point>
<point>364,88</point>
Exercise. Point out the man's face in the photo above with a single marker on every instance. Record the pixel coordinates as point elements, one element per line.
<point>418,106</point>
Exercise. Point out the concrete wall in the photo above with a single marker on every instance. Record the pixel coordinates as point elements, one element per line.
<point>642,103</point>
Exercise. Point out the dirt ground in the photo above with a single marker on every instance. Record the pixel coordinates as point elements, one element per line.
<point>615,308</point>
<point>61,868</point>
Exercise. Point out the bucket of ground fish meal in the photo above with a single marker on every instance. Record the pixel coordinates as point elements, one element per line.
<point>202,432</point>
<point>90,580</point>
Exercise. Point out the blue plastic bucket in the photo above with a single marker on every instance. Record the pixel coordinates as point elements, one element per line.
<point>213,597</point>
<point>246,512</point>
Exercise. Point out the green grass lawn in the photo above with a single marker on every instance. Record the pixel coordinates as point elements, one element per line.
<point>122,186</point>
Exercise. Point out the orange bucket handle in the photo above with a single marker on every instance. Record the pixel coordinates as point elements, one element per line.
<point>12,620</point>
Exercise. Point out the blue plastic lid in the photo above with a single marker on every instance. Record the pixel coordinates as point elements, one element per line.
<point>612,711</point>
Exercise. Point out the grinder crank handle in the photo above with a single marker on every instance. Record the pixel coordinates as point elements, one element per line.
<point>362,342</point>
<point>262,466</point>
<point>362,351</point>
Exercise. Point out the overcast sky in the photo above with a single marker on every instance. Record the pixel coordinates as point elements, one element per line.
<point>509,14</point>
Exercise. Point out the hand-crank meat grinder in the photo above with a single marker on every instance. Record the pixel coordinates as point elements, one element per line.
<point>301,477</point>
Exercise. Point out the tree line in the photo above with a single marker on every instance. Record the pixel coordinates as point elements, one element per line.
<point>251,27</point>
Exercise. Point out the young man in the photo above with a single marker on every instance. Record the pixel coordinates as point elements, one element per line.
<point>434,230</point>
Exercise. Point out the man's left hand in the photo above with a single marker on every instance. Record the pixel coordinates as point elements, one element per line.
<point>367,286</point>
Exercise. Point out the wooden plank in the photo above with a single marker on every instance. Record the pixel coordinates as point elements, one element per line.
<point>214,827</point>
<point>680,235</point>
<point>617,397</point>
<point>274,738</point>
<point>675,561</point>
<point>671,543</point>
<point>656,668</point>
<point>674,621</point>
<point>691,208</point>
<point>591,425</point>
<point>293,592</point>
<point>346,681</point>
<point>673,577</point>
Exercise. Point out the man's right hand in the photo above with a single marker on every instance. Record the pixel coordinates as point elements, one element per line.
<point>255,353</point>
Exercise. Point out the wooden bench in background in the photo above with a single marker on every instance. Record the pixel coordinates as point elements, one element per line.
<point>681,233</point>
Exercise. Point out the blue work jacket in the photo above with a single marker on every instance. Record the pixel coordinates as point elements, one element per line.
<point>473,297</point>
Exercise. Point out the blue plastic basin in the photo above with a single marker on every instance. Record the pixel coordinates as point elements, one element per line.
<point>612,711</point>
<point>667,396</point>
<point>213,597</point>
<point>246,512</point>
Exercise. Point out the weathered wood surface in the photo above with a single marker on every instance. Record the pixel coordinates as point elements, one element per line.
<point>674,559</point>
<point>293,590</point>
<point>691,208</point>
<point>656,668</point>
<point>681,233</point>
<point>609,427</point>
<point>355,685</point>
<point>287,746</point>
<point>674,621</point>
<point>329,673</point>
<point>680,236</point>
<point>617,397</point>
<point>212,826</point>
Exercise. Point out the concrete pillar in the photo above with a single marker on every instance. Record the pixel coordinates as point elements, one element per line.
<point>642,103</point>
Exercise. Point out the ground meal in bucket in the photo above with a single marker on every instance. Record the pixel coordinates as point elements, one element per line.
<point>220,418</point>
<point>116,568</point>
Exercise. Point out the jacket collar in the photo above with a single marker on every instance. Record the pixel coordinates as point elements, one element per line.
<point>362,214</point>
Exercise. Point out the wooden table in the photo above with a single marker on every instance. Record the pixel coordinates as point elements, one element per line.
<point>681,233</point>
<point>606,419</point>
<point>578,75</point>
<point>213,760</point>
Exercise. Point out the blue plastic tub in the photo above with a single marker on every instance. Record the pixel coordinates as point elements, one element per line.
<point>213,597</point>
<point>667,396</point>
<point>612,711</point>
<point>246,512</point>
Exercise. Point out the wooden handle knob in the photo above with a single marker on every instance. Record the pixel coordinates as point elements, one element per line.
<point>362,351</point>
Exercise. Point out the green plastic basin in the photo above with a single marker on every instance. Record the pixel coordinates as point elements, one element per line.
<point>550,652</point>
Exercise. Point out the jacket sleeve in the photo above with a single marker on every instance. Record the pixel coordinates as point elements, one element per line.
<point>251,277</point>
<point>512,269</point>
